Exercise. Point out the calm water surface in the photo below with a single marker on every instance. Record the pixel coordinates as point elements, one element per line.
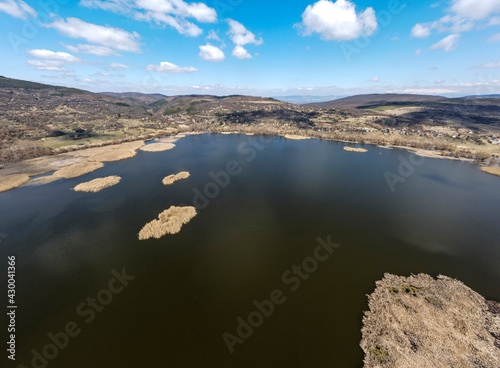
<point>191,288</point>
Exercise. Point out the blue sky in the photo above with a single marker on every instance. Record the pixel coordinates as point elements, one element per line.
<point>278,48</point>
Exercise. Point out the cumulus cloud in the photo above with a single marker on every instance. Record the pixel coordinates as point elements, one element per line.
<point>166,67</point>
<point>211,53</point>
<point>448,43</point>
<point>474,9</point>
<point>50,60</point>
<point>173,13</point>
<point>115,38</point>
<point>420,31</point>
<point>338,20</point>
<point>241,53</point>
<point>463,16</point>
<point>241,37</point>
<point>17,9</point>
<point>418,52</point>
<point>374,80</point>
<point>91,49</point>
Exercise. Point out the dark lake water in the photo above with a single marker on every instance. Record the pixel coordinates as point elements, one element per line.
<point>190,291</point>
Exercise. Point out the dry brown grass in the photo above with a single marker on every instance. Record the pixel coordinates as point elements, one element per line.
<point>77,170</point>
<point>353,149</point>
<point>420,322</point>
<point>175,177</point>
<point>296,137</point>
<point>494,170</point>
<point>169,222</point>
<point>9,182</point>
<point>158,147</point>
<point>113,155</point>
<point>97,185</point>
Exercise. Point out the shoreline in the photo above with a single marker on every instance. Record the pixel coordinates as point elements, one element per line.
<point>46,164</point>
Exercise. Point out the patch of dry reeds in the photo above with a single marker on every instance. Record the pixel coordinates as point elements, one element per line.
<point>494,170</point>
<point>158,147</point>
<point>98,184</point>
<point>9,182</point>
<point>421,322</point>
<point>175,177</point>
<point>353,149</point>
<point>169,222</point>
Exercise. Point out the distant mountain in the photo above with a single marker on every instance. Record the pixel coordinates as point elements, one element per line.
<point>360,101</point>
<point>304,99</point>
<point>6,83</point>
<point>144,97</point>
<point>483,96</point>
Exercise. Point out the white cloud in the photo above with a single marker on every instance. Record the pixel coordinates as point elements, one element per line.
<point>241,53</point>
<point>116,66</point>
<point>374,80</point>
<point>448,43</point>
<point>241,37</point>
<point>338,20</point>
<point>212,35</point>
<point>91,49</point>
<point>489,66</point>
<point>475,9</point>
<point>494,38</point>
<point>420,31</point>
<point>17,9</point>
<point>166,67</point>
<point>211,53</point>
<point>50,60</point>
<point>494,21</point>
<point>116,38</point>
<point>428,91</point>
<point>163,12</point>
<point>439,81</point>
<point>418,52</point>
